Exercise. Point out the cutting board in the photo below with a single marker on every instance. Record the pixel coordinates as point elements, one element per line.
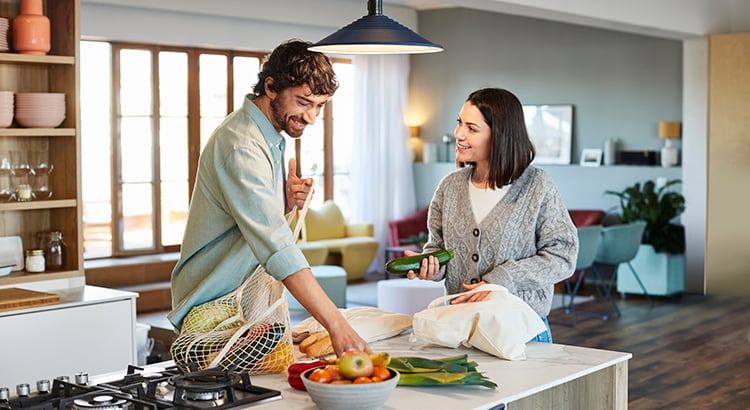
<point>16,298</point>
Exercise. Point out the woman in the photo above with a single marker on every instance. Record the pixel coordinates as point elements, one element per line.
<point>504,219</point>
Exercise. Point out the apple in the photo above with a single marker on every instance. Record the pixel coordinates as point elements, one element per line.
<point>355,363</point>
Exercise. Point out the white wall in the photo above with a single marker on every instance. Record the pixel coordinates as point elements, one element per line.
<point>694,136</point>
<point>576,195</point>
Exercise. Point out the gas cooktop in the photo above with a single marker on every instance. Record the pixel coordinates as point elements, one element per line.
<point>151,388</point>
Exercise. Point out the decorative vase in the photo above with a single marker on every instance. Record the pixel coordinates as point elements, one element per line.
<point>668,154</point>
<point>610,151</point>
<point>31,33</point>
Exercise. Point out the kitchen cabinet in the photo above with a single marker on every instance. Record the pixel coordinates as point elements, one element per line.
<point>57,71</point>
<point>91,329</point>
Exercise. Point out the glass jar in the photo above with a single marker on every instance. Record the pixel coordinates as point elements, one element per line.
<point>54,250</point>
<point>35,260</point>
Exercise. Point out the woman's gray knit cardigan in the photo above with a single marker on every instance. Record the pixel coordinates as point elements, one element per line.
<point>527,243</point>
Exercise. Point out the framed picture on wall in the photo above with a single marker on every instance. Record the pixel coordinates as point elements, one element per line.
<point>550,128</point>
<point>591,157</point>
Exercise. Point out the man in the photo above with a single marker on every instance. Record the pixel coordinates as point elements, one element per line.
<point>236,219</point>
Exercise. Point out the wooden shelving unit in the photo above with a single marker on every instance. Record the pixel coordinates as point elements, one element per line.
<point>58,72</point>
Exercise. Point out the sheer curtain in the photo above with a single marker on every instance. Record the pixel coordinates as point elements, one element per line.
<point>382,178</point>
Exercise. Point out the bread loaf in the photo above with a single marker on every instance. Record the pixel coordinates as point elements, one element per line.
<point>322,347</point>
<point>309,340</point>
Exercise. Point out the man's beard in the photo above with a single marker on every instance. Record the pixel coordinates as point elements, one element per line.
<point>279,118</point>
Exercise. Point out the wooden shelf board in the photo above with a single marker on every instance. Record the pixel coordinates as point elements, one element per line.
<point>38,132</point>
<point>36,59</point>
<point>21,277</point>
<point>32,205</point>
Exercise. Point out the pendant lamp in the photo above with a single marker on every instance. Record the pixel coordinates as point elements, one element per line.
<point>375,34</point>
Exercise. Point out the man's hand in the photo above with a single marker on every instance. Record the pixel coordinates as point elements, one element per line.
<point>297,189</point>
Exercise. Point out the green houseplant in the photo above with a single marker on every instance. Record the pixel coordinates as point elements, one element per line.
<point>658,207</point>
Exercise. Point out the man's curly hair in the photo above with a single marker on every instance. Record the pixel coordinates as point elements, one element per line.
<point>291,64</point>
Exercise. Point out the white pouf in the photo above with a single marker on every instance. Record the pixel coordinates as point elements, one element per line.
<point>333,281</point>
<point>408,296</point>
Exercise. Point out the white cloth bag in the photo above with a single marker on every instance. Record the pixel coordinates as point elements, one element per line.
<point>500,325</point>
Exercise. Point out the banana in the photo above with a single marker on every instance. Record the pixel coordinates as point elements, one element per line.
<point>380,359</point>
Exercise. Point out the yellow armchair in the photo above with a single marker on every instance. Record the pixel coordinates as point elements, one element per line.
<point>351,246</point>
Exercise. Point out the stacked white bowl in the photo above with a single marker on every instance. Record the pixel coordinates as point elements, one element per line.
<point>4,34</point>
<point>40,110</point>
<point>6,109</point>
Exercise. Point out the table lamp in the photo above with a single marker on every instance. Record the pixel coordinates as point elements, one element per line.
<point>669,130</point>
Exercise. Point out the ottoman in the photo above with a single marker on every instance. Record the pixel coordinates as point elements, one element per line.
<point>408,296</point>
<point>333,281</point>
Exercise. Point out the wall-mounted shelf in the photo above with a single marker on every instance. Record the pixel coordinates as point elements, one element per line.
<point>55,72</point>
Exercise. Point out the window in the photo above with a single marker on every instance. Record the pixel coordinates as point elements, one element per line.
<point>148,110</point>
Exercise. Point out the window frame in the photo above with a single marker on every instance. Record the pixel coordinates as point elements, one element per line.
<point>193,138</point>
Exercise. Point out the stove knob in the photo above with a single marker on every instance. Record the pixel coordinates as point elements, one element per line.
<point>4,394</point>
<point>22,389</point>
<point>65,379</point>
<point>82,378</point>
<point>42,386</point>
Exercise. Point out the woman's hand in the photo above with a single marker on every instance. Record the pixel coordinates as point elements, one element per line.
<point>427,271</point>
<point>472,297</point>
<point>297,189</point>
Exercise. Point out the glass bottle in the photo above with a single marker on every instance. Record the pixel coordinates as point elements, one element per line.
<point>54,250</point>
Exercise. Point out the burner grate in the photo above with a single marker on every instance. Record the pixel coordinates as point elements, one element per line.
<point>185,387</point>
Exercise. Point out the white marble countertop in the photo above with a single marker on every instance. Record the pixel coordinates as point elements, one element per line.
<point>546,366</point>
<point>71,297</point>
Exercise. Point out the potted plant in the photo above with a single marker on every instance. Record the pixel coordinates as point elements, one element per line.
<point>658,208</point>
<point>660,261</point>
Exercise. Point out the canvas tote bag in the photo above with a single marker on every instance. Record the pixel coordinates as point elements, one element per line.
<point>248,329</point>
<point>500,325</point>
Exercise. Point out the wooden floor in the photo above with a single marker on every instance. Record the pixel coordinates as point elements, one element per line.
<point>689,352</point>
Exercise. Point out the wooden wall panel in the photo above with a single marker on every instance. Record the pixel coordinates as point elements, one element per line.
<point>728,181</point>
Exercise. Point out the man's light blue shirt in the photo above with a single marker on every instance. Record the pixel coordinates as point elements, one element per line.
<point>236,219</point>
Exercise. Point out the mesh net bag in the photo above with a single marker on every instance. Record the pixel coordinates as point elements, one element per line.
<point>248,329</point>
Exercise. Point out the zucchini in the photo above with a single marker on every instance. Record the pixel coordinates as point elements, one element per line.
<point>404,264</point>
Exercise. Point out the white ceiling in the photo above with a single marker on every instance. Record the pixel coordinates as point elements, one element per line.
<point>676,19</point>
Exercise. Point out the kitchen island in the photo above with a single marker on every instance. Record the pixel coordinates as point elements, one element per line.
<point>553,376</point>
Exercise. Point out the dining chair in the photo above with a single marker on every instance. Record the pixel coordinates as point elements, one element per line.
<point>619,245</point>
<point>589,238</point>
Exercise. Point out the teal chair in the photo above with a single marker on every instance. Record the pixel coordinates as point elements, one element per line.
<point>619,245</point>
<point>589,238</point>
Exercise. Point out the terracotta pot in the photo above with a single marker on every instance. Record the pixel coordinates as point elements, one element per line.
<point>31,33</point>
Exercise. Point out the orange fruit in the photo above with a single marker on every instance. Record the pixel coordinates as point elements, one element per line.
<point>333,371</point>
<point>362,380</point>
<point>381,372</point>
<point>320,375</point>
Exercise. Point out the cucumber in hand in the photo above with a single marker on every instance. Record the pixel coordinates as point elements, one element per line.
<point>401,266</point>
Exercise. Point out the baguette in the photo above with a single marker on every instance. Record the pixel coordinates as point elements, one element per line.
<point>322,347</point>
<point>309,340</point>
<point>298,337</point>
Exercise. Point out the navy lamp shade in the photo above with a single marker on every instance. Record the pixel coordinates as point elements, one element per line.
<point>375,34</point>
